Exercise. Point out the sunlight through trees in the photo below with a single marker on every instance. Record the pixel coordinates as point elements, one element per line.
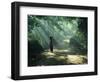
<point>68,33</point>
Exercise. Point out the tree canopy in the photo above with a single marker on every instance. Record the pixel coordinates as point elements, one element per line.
<point>64,30</point>
<point>66,34</point>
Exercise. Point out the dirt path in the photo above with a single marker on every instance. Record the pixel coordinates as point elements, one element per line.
<point>62,58</point>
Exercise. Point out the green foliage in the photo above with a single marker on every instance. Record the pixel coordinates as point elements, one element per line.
<point>68,33</point>
<point>79,40</point>
<point>61,28</point>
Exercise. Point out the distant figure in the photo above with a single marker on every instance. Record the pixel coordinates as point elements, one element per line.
<point>51,44</point>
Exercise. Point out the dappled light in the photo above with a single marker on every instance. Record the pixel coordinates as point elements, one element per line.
<point>57,40</point>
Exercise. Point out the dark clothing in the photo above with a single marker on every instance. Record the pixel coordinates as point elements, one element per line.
<point>51,44</point>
